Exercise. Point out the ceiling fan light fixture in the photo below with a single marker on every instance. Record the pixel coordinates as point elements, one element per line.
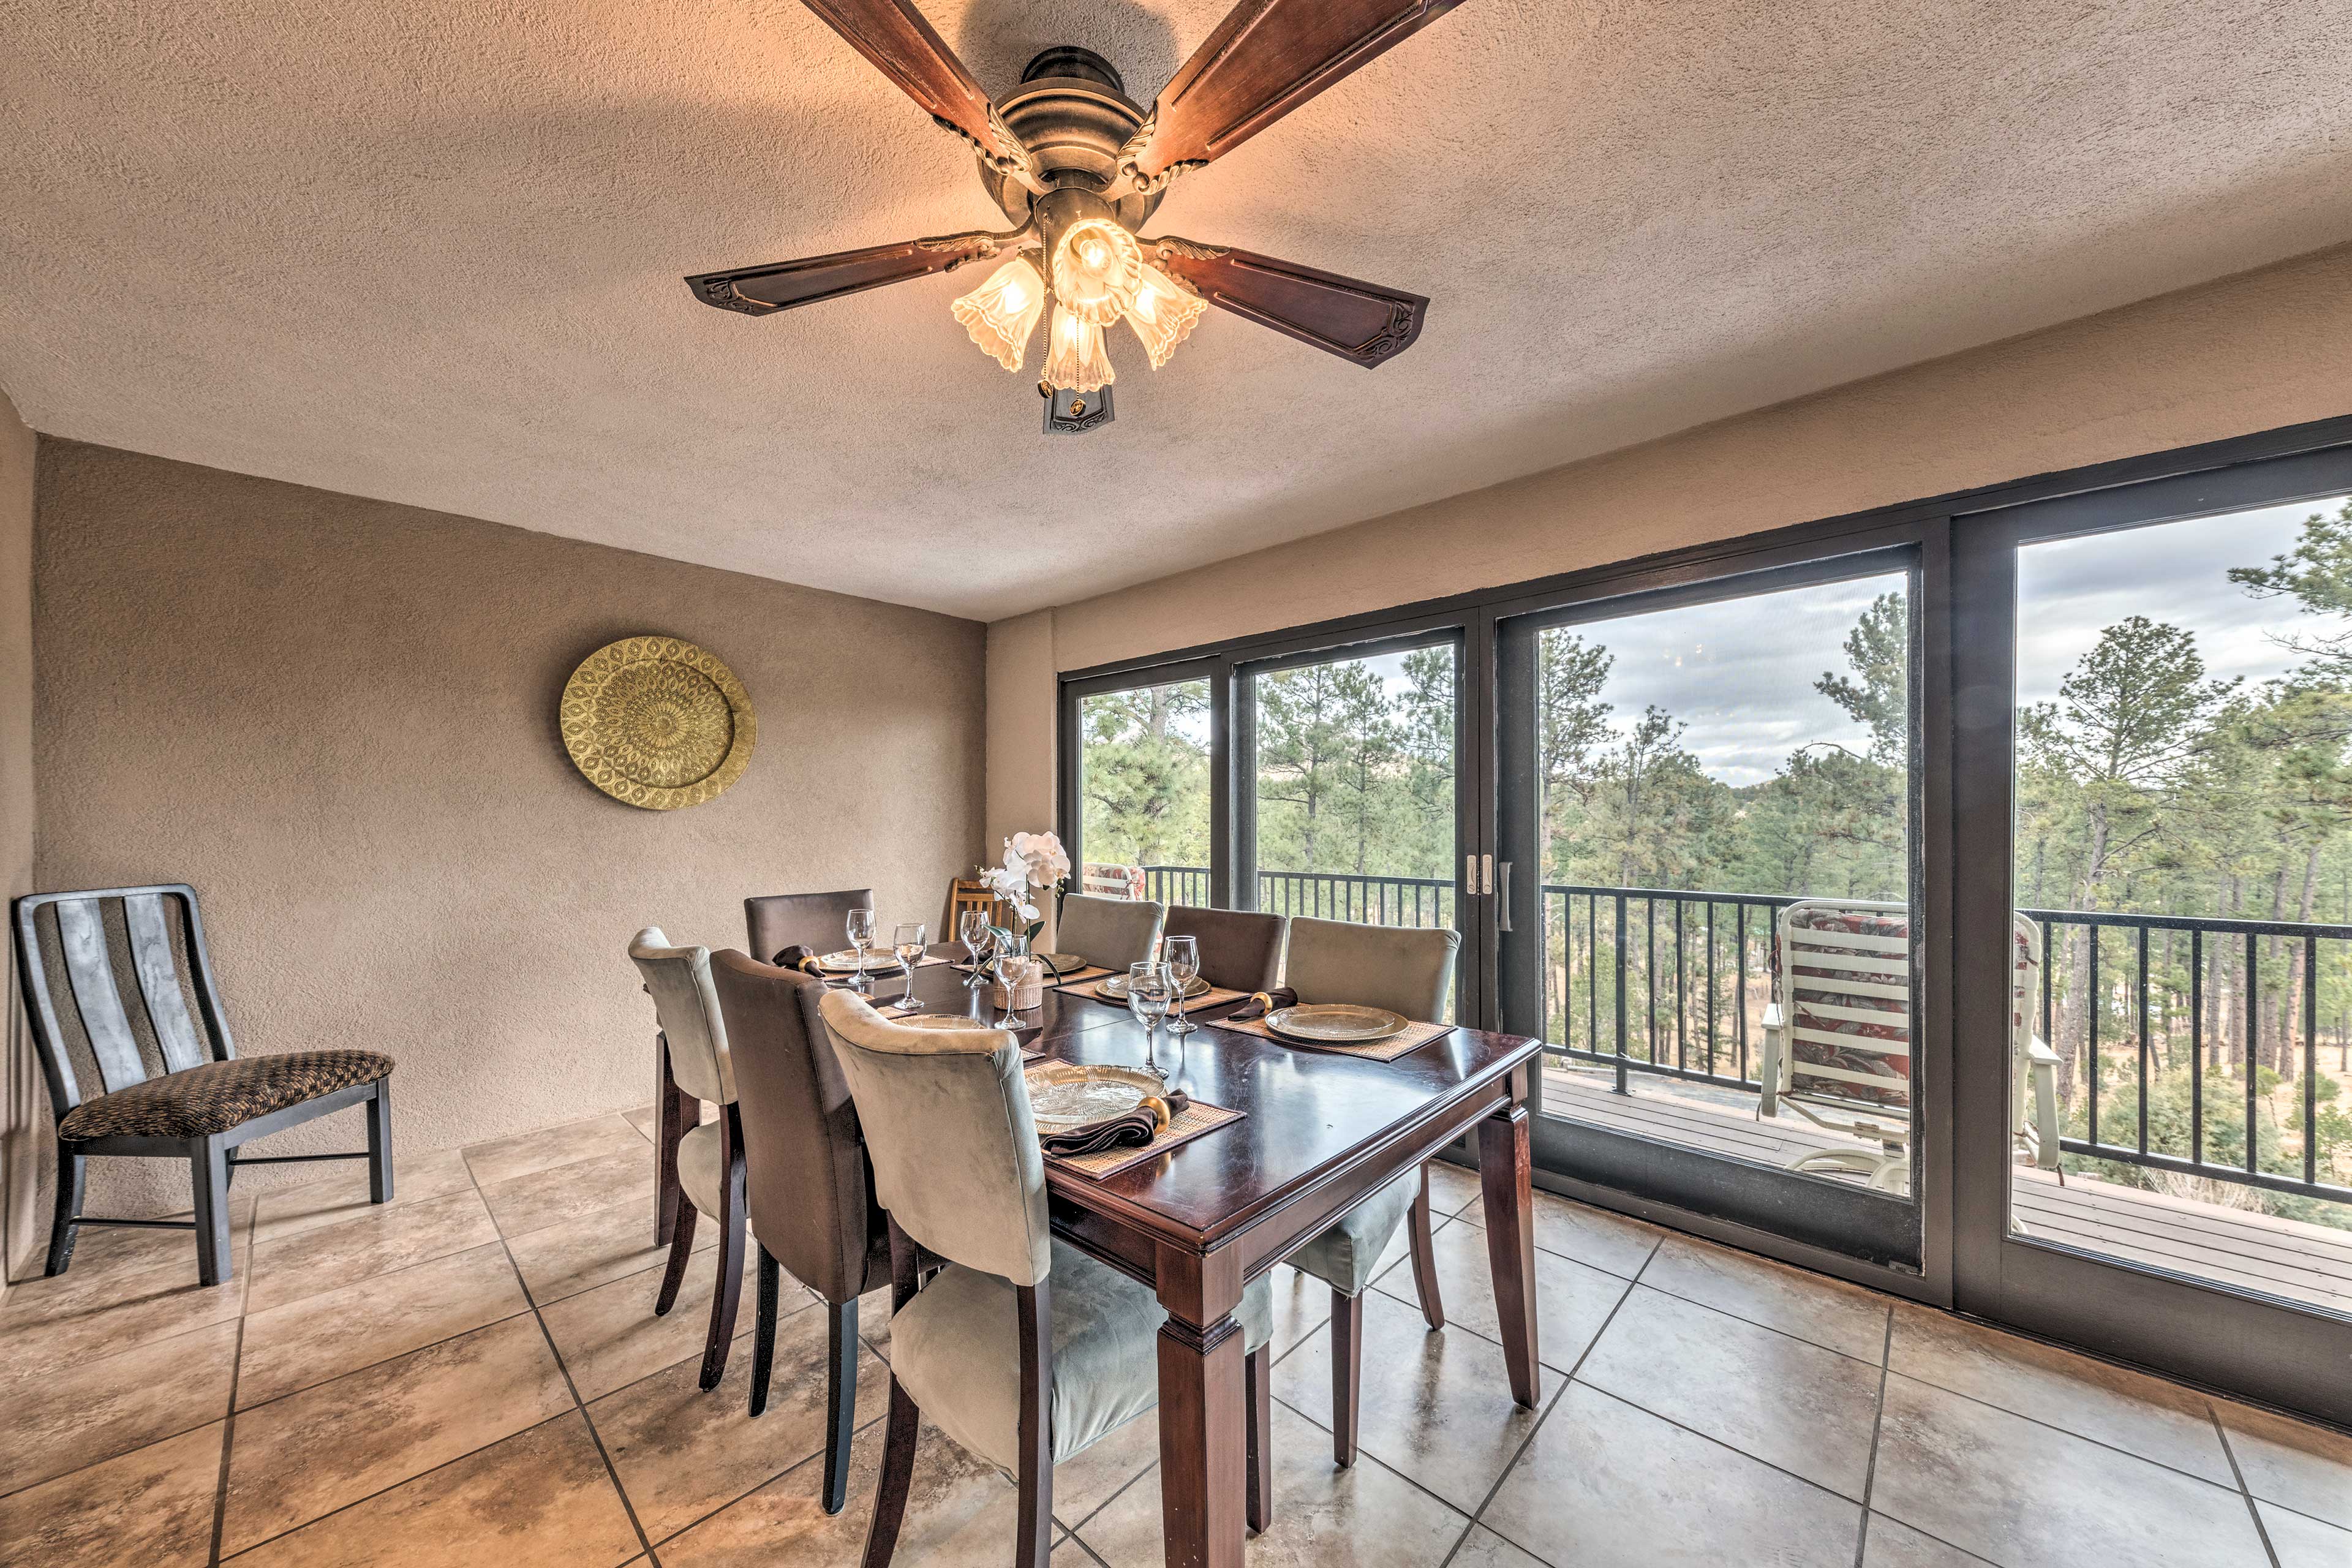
<point>1075,359</point>
<point>1002,313</point>
<point>1163,314</point>
<point>1097,266</point>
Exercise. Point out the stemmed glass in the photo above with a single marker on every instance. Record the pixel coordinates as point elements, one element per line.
<point>1150,989</point>
<point>907,943</point>
<point>861,937</point>
<point>1008,965</point>
<point>972,929</point>
<point>1182,956</point>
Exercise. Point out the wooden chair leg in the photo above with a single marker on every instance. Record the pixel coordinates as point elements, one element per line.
<point>208,1181</point>
<point>1347,1373</point>
<point>65,1222</point>
<point>1424,1257</point>
<point>763,1325</point>
<point>1257,1418</point>
<point>379,1123</point>
<point>1035,1542</point>
<point>897,1475</point>
<point>681,1249</point>
<point>669,1126</point>
<point>728,1295</point>
<point>841,1399</point>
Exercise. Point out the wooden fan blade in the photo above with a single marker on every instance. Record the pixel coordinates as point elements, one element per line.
<point>1345,316</point>
<point>1265,58</point>
<point>763,290</point>
<point>902,45</point>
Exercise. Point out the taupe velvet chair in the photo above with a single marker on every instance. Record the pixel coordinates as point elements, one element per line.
<point>1240,951</point>
<point>1408,971</point>
<point>1022,1348</point>
<point>776,921</point>
<point>805,1173</point>
<point>1113,933</point>
<point>705,1157</point>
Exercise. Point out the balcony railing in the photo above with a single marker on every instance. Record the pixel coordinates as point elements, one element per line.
<point>2171,1008</point>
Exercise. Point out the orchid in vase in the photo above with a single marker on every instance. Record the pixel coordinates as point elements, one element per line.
<point>1035,863</point>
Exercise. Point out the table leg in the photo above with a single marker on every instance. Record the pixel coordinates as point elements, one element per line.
<point>1504,1167</point>
<point>1202,1468</point>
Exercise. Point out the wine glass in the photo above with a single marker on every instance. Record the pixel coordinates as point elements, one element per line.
<point>1008,965</point>
<point>972,929</point>
<point>1150,989</point>
<point>907,943</point>
<point>1182,956</point>
<point>861,937</point>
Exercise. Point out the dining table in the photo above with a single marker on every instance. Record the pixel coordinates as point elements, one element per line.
<point>1320,1131</point>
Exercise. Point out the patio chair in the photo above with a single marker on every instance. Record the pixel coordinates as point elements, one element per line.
<point>1837,1034</point>
<point>2033,1066</point>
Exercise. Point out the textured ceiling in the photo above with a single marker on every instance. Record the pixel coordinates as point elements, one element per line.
<point>431,252</point>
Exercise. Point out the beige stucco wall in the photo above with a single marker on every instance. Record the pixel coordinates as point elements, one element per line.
<point>21,1097</point>
<point>2247,354</point>
<point>337,719</point>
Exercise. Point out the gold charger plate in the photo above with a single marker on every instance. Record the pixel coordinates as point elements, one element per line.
<point>657,722</point>
<point>940,1021</point>
<point>1063,1095</point>
<point>1113,988</point>
<point>846,963</point>
<point>1334,1023</point>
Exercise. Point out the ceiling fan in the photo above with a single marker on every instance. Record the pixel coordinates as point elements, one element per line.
<point>1079,167</point>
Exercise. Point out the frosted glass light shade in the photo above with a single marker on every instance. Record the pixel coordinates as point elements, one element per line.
<point>1163,314</point>
<point>1076,360</point>
<point>1097,266</point>
<point>1003,313</point>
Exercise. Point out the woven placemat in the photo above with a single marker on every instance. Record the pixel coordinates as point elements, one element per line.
<point>1085,978</point>
<point>1198,1118</point>
<point>1214,996</point>
<point>1405,1041</point>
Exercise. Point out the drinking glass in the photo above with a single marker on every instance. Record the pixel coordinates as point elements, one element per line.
<point>861,937</point>
<point>972,929</point>
<point>1008,965</point>
<point>907,943</point>
<point>1150,989</point>
<point>1182,956</point>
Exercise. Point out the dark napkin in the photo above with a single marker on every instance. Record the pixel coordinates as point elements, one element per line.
<point>1264,1002</point>
<point>803,958</point>
<point>1133,1131</point>
<point>798,956</point>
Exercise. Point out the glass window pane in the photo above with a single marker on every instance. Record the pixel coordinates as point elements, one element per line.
<point>1143,782</point>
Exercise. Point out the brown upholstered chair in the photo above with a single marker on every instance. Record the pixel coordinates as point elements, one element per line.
<point>812,1197</point>
<point>1112,932</point>
<point>1240,951</point>
<point>776,921</point>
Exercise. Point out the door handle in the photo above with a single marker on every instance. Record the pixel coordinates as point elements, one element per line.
<point>1505,905</point>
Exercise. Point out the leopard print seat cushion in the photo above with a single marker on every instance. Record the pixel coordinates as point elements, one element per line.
<point>201,1100</point>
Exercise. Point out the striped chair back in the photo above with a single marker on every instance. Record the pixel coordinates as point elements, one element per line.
<point>1845,974</point>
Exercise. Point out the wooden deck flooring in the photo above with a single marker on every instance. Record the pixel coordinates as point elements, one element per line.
<point>2306,1263</point>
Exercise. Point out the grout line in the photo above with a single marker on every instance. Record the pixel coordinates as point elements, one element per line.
<point>228,1422</point>
<point>1877,1423</point>
<point>803,1462</point>
<point>2053,1427</point>
<point>2262,1531</point>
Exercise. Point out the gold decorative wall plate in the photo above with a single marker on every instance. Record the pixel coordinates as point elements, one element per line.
<point>657,722</point>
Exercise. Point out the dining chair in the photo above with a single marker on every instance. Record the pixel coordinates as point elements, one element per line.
<point>208,1102</point>
<point>811,1195</point>
<point>970,893</point>
<point>1021,1348</point>
<point>1111,932</point>
<point>1409,971</point>
<point>1240,950</point>
<point>775,921</point>
<point>704,1158</point>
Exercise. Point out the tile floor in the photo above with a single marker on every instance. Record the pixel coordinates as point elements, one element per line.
<point>474,1374</point>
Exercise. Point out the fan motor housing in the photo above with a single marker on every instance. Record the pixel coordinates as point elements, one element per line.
<point>1073,113</point>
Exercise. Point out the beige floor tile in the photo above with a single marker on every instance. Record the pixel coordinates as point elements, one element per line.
<point>1572,1301</point>
<point>1606,1241</point>
<point>504,1159</point>
<point>2302,1541</point>
<point>1893,1544</point>
<point>289,1211</point>
<point>595,1249</point>
<point>2303,1466</point>
<point>645,1119</point>
<point>1453,1188</point>
<point>377,1242</point>
<point>1083,1483</point>
<point>1482,1548</point>
<point>874,1322</point>
<point>47,1323</point>
<point>310,1453</point>
<point>1434,1406</point>
<point>325,1336</point>
<point>1603,1485</point>
<point>1364,1517</point>
<point>682,1453</point>
<point>151,1508</point>
<point>2022,1494</point>
<point>86,1411</point>
<point>959,1514</point>
<point>540,1499</point>
<point>560,1193</point>
<point>609,1336</point>
<point>1844,1317</point>
<point>2156,1420</point>
<point>1302,1307</point>
<point>1782,1400</point>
